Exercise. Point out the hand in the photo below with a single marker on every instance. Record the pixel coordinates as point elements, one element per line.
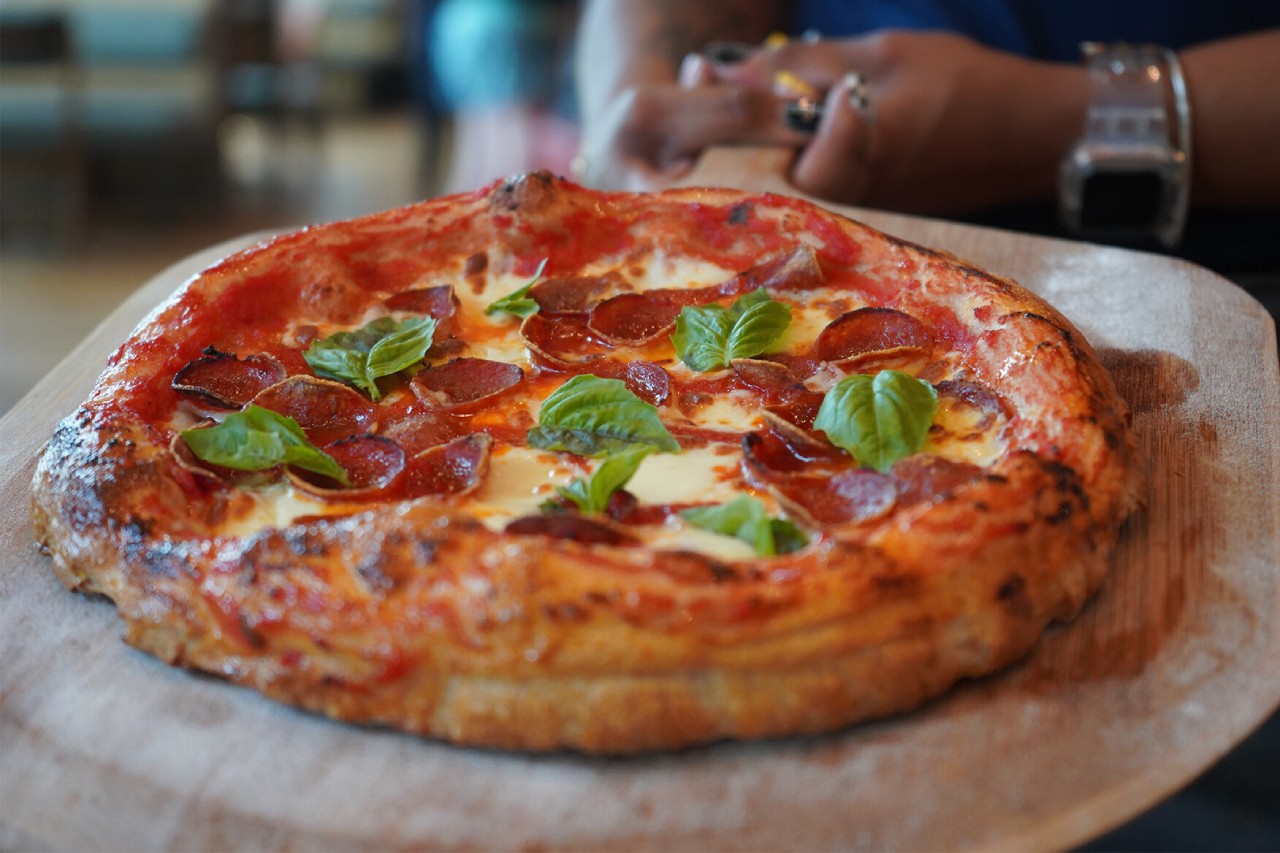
<point>951,126</point>
<point>652,134</point>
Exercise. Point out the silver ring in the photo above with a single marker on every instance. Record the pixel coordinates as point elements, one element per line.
<point>859,92</point>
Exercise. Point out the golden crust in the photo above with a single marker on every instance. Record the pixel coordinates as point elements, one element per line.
<point>415,615</point>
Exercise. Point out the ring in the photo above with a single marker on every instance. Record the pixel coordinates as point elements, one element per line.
<point>859,93</point>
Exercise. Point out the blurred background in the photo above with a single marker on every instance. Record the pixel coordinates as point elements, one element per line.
<point>135,132</point>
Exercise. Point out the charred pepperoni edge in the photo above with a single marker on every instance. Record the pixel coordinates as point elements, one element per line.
<point>186,460</point>
<point>542,334</point>
<point>775,381</point>
<point>573,527</point>
<point>978,396</point>
<point>575,294</point>
<point>795,269</point>
<point>820,496</point>
<point>439,302</point>
<point>873,331</point>
<point>326,410</point>
<point>226,381</point>
<point>633,319</point>
<point>465,384</point>
<point>374,464</point>
<point>453,469</point>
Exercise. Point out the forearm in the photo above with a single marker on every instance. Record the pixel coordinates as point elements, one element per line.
<point>625,43</point>
<point>1235,120</point>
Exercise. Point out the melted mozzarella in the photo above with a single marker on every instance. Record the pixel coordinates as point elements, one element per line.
<point>695,475</point>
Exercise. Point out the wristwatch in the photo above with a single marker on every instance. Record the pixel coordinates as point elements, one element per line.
<point>1127,177</point>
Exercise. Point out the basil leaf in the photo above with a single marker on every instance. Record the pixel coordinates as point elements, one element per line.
<point>380,348</point>
<point>711,336</point>
<point>256,439</point>
<point>746,518</point>
<point>517,303</point>
<point>613,473</point>
<point>878,419</point>
<point>591,416</point>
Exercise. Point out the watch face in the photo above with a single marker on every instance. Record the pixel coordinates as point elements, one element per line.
<point>1122,201</point>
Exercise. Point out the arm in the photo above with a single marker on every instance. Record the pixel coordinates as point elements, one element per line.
<point>1235,121</point>
<point>956,127</point>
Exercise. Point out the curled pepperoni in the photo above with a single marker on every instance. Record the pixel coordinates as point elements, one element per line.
<point>646,380</point>
<point>568,525</point>
<point>465,384</point>
<point>372,462</point>
<point>326,410</point>
<point>633,319</point>
<point>798,447</point>
<point>822,494</point>
<point>439,302</point>
<point>857,338</point>
<point>813,481</point>
<point>417,428</point>
<point>574,295</point>
<point>775,382</point>
<point>453,469</point>
<point>188,462</point>
<point>796,269</point>
<point>560,342</point>
<point>800,410</point>
<point>223,380</point>
<point>925,479</point>
<point>977,400</point>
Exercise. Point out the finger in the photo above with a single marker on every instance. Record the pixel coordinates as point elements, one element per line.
<point>836,164</point>
<point>696,70</point>
<point>683,122</point>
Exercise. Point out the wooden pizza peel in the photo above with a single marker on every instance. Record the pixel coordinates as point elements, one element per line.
<point>102,747</point>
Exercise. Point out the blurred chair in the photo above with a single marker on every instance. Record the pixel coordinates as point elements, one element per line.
<point>43,163</point>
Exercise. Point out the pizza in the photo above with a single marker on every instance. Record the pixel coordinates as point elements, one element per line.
<point>540,467</point>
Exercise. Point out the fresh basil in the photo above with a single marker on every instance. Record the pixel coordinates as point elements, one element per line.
<point>591,416</point>
<point>746,518</point>
<point>380,348</point>
<point>592,495</point>
<point>879,419</point>
<point>517,303</point>
<point>256,439</point>
<point>710,337</point>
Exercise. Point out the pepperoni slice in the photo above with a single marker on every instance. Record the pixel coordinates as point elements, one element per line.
<point>326,410</point>
<point>439,302</point>
<point>452,469</point>
<point>645,379</point>
<point>568,525</point>
<point>796,269</point>
<point>417,428</point>
<point>633,319</point>
<point>465,384</point>
<point>979,402</point>
<point>372,462</point>
<point>574,295</point>
<point>209,473</point>
<point>925,479</point>
<point>226,381</point>
<point>821,493</point>
<point>882,335</point>
<point>775,382</point>
<point>559,342</point>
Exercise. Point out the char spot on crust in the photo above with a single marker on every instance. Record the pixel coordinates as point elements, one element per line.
<point>526,193</point>
<point>1012,594</point>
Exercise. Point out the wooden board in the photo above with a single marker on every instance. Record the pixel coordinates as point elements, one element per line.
<point>1176,661</point>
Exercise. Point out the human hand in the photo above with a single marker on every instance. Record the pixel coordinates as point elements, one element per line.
<point>948,126</point>
<point>652,133</point>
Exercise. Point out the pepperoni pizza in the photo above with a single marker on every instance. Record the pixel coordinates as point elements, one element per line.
<point>540,467</point>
